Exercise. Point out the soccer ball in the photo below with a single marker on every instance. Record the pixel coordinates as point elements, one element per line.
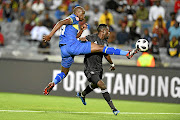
<point>142,44</point>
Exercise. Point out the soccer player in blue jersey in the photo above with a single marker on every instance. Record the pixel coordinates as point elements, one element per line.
<point>71,47</point>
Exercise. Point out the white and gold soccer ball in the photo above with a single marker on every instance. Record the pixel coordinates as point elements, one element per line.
<point>142,44</point>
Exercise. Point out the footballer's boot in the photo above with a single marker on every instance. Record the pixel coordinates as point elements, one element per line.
<point>48,88</point>
<point>131,53</point>
<point>82,98</point>
<point>115,111</point>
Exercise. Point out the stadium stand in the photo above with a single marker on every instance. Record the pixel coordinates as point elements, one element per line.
<point>16,38</point>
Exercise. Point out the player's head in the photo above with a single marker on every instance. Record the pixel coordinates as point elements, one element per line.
<point>103,29</point>
<point>79,12</point>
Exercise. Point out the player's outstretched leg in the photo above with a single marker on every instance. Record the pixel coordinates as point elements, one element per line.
<point>131,53</point>
<point>112,51</point>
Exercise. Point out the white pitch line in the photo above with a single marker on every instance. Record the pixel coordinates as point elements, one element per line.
<point>19,111</point>
<point>125,113</point>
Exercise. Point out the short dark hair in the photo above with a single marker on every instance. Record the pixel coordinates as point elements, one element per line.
<point>101,27</point>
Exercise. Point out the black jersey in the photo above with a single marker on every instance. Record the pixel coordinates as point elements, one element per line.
<point>93,61</point>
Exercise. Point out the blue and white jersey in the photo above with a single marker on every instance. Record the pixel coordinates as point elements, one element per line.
<point>69,32</point>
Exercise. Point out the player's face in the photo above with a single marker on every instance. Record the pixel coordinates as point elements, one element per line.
<point>81,15</point>
<point>107,33</point>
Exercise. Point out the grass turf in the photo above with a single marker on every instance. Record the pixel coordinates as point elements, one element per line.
<point>57,108</point>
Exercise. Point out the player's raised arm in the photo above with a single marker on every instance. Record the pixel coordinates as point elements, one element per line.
<point>108,58</point>
<point>56,27</point>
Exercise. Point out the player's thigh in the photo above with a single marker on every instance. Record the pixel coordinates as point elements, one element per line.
<point>96,48</point>
<point>80,48</point>
<point>64,51</point>
<point>94,78</point>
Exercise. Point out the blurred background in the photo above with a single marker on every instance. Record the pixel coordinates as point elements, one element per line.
<point>24,22</point>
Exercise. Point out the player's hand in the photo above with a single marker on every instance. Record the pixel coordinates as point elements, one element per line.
<point>46,38</point>
<point>112,68</point>
<point>83,39</point>
<point>84,26</point>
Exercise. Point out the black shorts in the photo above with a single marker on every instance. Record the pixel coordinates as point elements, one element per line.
<point>93,77</point>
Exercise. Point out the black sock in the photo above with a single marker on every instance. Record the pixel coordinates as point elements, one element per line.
<point>87,90</point>
<point>108,99</point>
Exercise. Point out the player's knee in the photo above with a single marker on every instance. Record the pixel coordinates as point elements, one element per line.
<point>103,87</point>
<point>99,48</point>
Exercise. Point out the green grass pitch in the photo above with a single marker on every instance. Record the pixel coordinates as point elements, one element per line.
<point>39,107</point>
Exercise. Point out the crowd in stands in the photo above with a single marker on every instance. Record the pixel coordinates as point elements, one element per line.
<point>128,20</point>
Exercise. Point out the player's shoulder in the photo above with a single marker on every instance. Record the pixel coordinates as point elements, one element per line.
<point>73,18</point>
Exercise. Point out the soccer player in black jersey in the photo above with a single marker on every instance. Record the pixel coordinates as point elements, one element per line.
<point>93,67</point>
